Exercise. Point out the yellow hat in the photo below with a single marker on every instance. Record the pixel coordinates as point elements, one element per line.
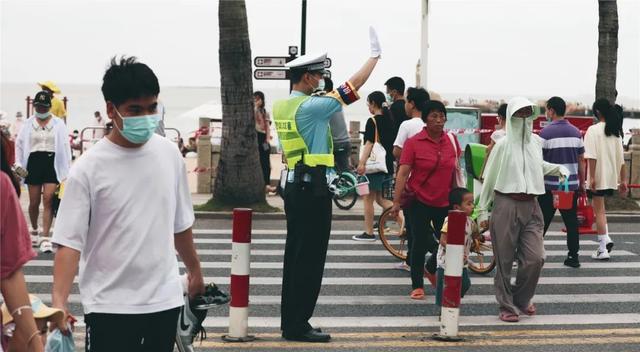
<point>49,84</point>
<point>40,311</point>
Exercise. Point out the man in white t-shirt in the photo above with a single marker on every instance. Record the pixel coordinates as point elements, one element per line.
<point>416,99</point>
<point>126,211</point>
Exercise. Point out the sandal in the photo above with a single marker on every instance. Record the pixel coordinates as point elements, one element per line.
<point>508,317</point>
<point>531,310</point>
<point>418,293</point>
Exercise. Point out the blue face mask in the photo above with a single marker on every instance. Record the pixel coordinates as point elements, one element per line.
<point>321,84</point>
<point>138,129</point>
<point>42,115</point>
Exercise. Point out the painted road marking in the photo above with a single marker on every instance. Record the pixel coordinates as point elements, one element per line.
<point>369,266</point>
<point>375,253</point>
<point>362,281</point>
<point>357,243</point>
<point>351,232</point>
<point>405,300</point>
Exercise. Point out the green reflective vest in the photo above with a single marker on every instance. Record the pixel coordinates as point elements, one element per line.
<point>293,146</point>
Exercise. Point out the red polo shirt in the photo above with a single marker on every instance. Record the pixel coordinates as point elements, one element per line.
<point>424,155</point>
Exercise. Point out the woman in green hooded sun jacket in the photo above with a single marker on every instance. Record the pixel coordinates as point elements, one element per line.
<point>513,178</point>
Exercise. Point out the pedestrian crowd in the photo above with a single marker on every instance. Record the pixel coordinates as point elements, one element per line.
<point>121,226</point>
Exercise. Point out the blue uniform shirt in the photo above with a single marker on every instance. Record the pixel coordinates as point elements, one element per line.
<point>312,120</point>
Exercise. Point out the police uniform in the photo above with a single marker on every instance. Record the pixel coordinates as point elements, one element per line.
<point>302,124</point>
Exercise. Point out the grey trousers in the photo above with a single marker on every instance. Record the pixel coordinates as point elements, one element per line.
<point>516,231</point>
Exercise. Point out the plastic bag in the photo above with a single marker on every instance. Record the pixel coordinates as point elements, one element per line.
<point>58,342</point>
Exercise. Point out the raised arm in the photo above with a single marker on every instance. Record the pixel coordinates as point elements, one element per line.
<point>360,77</point>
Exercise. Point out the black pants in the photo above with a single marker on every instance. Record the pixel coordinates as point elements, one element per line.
<point>426,223</point>
<point>308,229</point>
<point>265,157</point>
<point>341,154</point>
<point>569,216</point>
<point>153,332</point>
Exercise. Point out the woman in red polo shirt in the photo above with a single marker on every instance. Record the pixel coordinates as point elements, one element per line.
<point>428,161</point>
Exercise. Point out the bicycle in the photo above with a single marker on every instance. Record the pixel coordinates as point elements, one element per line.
<point>393,236</point>
<point>345,189</point>
<point>391,230</point>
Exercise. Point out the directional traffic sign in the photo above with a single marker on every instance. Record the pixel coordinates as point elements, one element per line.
<point>271,74</point>
<point>270,61</point>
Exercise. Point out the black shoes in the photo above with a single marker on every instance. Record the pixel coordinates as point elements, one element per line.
<point>572,262</point>
<point>312,335</point>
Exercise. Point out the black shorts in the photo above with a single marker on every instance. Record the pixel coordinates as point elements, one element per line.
<point>41,169</point>
<point>599,193</point>
<point>152,332</point>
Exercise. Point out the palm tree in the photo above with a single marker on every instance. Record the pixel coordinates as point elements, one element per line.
<point>238,181</point>
<point>607,49</point>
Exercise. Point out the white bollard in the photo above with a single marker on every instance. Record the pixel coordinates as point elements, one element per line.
<point>454,258</point>
<point>240,264</point>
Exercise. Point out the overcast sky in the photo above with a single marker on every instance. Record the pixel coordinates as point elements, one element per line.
<point>482,47</point>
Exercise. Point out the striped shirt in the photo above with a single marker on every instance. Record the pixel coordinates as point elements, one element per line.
<point>562,144</point>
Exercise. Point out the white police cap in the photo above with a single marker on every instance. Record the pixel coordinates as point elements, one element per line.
<point>309,62</point>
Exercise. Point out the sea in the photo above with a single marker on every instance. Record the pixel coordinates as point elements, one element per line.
<point>183,105</point>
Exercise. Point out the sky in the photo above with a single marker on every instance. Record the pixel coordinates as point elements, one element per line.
<point>492,48</point>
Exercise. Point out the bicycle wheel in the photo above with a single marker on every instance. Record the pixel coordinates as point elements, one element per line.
<point>481,259</point>
<point>348,199</point>
<point>393,235</point>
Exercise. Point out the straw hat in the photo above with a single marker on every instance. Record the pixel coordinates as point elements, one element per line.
<point>40,311</point>
<point>49,84</point>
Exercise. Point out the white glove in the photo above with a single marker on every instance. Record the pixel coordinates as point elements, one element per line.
<point>376,51</point>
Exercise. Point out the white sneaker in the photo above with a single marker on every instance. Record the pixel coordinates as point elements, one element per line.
<point>600,255</point>
<point>45,245</point>
<point>35,237</point>
<point>402,266</point>
<point>609,244</point>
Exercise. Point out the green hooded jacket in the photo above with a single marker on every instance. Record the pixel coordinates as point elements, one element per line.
<point>515,164</point>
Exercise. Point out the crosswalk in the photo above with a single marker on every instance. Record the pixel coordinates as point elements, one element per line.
<point>362,292</point>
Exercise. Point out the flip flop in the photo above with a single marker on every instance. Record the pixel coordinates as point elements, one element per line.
<point>418,293</point>
<point>531,310</point>
<point>508,317</point>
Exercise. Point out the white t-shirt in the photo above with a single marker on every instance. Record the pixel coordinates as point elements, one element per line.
<point>608,153</point>
<point>121,209</point>
<point>408,129</point>
<point>498,134</point>
<point>470,229</point>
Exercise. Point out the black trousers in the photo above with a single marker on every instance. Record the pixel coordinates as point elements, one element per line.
<point>153,332</point>
<point>308,229</point>
<point>426,223</point>
<point>341,154</point>
<point>569,216</point>
<point>265,157</point>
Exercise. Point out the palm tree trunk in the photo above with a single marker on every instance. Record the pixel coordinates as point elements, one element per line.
<point>238,181</point>
<point>607,50</point>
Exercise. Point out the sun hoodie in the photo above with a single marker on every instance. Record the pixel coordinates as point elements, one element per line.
<point>515,164</point>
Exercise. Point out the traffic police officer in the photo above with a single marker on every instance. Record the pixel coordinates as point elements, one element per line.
<point>302,123</point>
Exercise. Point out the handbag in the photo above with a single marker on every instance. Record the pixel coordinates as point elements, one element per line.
<point>459,180</point>
<point>377,160</point>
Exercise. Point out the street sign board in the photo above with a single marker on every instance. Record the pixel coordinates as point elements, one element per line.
<point>271,74</point>
<point>270,61</point>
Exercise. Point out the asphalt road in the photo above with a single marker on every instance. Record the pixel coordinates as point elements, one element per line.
<point>364,302</point>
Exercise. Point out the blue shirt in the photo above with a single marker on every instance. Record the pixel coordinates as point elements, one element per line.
<point>562,144</point>
<point>312,120</point>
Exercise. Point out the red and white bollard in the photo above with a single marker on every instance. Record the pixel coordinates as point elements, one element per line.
<point>240,265</point>
<point>454,258</point>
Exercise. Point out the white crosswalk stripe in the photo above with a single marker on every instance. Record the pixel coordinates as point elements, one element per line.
<point>360,282</point>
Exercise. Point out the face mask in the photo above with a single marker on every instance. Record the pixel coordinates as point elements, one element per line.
<point>42,115</point>
<point>138,129</point>
<point>320,84</point>
<point>389,98</point>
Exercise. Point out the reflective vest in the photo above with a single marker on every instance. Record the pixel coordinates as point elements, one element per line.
<point>293,146</point>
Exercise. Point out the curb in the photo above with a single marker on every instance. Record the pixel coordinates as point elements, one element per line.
<point>620,217</point>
